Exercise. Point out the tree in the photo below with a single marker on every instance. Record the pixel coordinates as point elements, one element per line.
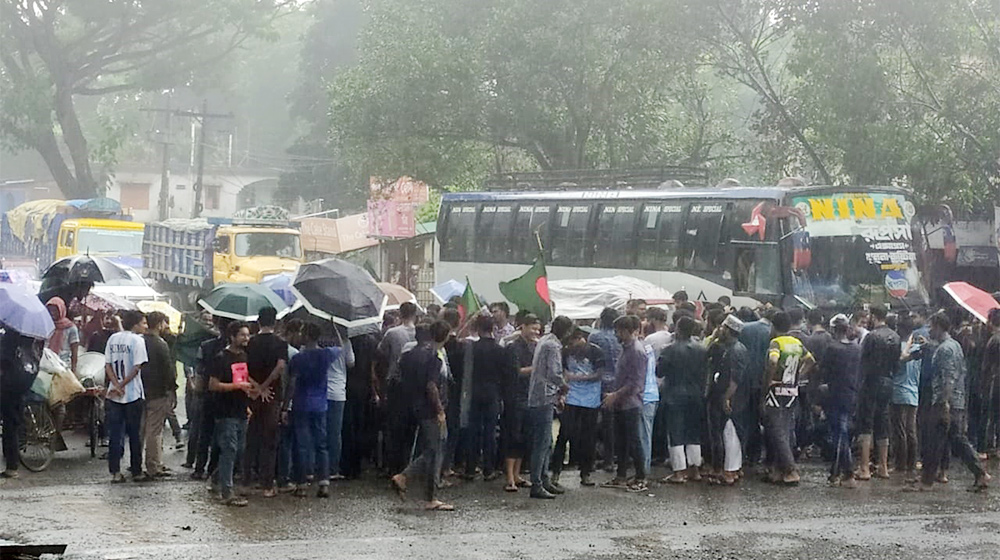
<point>55,52</point>
<point>445,89</point>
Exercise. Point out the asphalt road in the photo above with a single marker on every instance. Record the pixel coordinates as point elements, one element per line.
<point>73,503</point>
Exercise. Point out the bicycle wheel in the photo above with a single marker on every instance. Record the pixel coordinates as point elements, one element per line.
<point>36,443</point>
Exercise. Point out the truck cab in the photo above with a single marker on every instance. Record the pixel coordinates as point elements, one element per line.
<point>118,239</point>
<point>248,252</point>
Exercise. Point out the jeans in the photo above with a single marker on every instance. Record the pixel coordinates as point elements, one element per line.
<point>311,443</point>
<point>904,436</point>
<point>843,463</point>
<point>778,433</point>
<point>155,414</point>
<point>229,434</point>
<point>430,443</point>
<point>628,443</point>
<point>193,403</point>
<point>288,465</point>
<point>947,434</point>
<point>261,452</point>
<point>334,433</point>
<point>646,433</point>
<point>578,427</point>
<point>539,419</point>
<point>124,419</point>
<point>207,442</point>
<point>481,436</point>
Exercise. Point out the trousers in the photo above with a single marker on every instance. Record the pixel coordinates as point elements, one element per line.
<point>578,428</point>
<point>122,420</point>
<point>481,436</point>
<point>152,432</point>
<point>430,442</point>
<point>947,433</point>
<point>261,454</point>
<point>843,462</point>
<point>628,443</point>
<point>229,435</point>
<point>311,443</point>
<point>904,436</point>
<point>539,419</point>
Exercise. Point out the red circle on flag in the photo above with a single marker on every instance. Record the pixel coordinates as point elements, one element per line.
<point>542,289</point>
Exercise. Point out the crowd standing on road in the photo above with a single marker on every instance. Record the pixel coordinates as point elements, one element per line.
<point>714,392</point>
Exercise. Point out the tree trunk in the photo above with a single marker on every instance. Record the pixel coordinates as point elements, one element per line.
<point>48,147</point>
<point>76,142</point>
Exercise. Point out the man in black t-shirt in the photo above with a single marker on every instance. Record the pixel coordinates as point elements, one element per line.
<point>489,367</point>
<point>267,355</point>
<point>230,400</point>
<point>200,436</point>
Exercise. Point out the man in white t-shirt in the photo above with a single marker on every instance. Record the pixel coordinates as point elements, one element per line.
<point>124,355</point>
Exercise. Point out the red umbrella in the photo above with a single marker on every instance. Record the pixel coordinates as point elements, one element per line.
<point>974,300</point>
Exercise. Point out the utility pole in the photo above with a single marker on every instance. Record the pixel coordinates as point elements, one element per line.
<point>203,116</point>
<point>164,197</point>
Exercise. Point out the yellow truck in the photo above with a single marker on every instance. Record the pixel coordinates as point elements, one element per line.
<point>47,230</point>
<point>187,258</point>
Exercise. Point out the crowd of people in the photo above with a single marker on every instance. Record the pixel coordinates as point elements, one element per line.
<point>713,392</point>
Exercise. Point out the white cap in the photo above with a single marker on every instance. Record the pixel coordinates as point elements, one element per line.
<point>733,323</point>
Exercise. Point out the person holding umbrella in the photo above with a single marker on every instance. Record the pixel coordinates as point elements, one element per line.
<point>25,323</point>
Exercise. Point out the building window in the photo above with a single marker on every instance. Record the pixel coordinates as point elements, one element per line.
<point>134,196</point>
<point>212,197</point>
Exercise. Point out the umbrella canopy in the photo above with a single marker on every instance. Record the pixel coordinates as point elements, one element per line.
<point>341,292</point>
<point>397,295</point>
<point>22,311</point>
<point>974,300</point>
<point>448,290</point>
<point>149,306</point>
<point>84,268</point>
<point>106,302</point>
<point>281,284</point>
<point>241,302</point>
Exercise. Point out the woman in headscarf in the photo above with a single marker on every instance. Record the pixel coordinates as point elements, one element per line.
<point>65,341</point>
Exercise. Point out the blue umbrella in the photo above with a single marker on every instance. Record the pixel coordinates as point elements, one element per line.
<point>22,311</point>
<point>448,290</point>
<point>281,284</point>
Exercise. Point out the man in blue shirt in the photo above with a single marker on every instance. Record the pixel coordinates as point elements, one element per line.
<point>605,339</point>
<point>903,409</point>
<point>578,421</point>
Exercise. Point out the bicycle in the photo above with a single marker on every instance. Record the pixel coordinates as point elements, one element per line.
<point>38,432</point>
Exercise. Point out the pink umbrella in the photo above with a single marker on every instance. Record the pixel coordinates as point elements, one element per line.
<point>974,300</point>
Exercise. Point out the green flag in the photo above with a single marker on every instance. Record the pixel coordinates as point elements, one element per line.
<point>531,291</point>
<point>469,305</point>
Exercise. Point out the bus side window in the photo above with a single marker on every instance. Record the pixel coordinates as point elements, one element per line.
<point>531,217</point>
<point>571,235</point>
<point>757,270</point>
<point>493,233</point>
<point>69,238</point>
<point>615,242</point>
<point>701,235</point>
<point>459,241</point>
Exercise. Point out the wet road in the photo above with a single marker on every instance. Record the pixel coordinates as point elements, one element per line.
<point>73,503</point>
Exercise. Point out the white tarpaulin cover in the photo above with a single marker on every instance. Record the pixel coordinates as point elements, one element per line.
<point>584,299</point>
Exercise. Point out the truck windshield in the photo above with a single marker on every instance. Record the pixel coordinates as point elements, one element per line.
<point>267,244</point>
<point>109,241</point>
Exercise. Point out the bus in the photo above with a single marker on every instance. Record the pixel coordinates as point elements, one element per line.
<point>830,247</point>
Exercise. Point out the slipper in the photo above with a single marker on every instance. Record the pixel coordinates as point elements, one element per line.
<point>510,488</point>
<point>440,506</point>
<point>524,483</point>
<point>399,488</point>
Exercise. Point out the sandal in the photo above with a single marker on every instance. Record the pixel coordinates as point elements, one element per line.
<point>510,488</point>
<point>523,483</point>
<point>614,483</point>
<point>439,506</point>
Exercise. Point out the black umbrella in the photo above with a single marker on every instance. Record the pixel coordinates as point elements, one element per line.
<point>84,268</point>
<point>341,292</point>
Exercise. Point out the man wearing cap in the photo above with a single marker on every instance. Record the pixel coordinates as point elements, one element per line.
<point>727,358</point>
<point>840,378</point>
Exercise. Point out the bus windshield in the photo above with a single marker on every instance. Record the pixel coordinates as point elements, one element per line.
<point>267,244</point>
<point>860,249</point>
<point>109,241</point>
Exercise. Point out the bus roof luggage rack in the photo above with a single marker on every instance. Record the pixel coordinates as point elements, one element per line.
<point>599,179</point>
